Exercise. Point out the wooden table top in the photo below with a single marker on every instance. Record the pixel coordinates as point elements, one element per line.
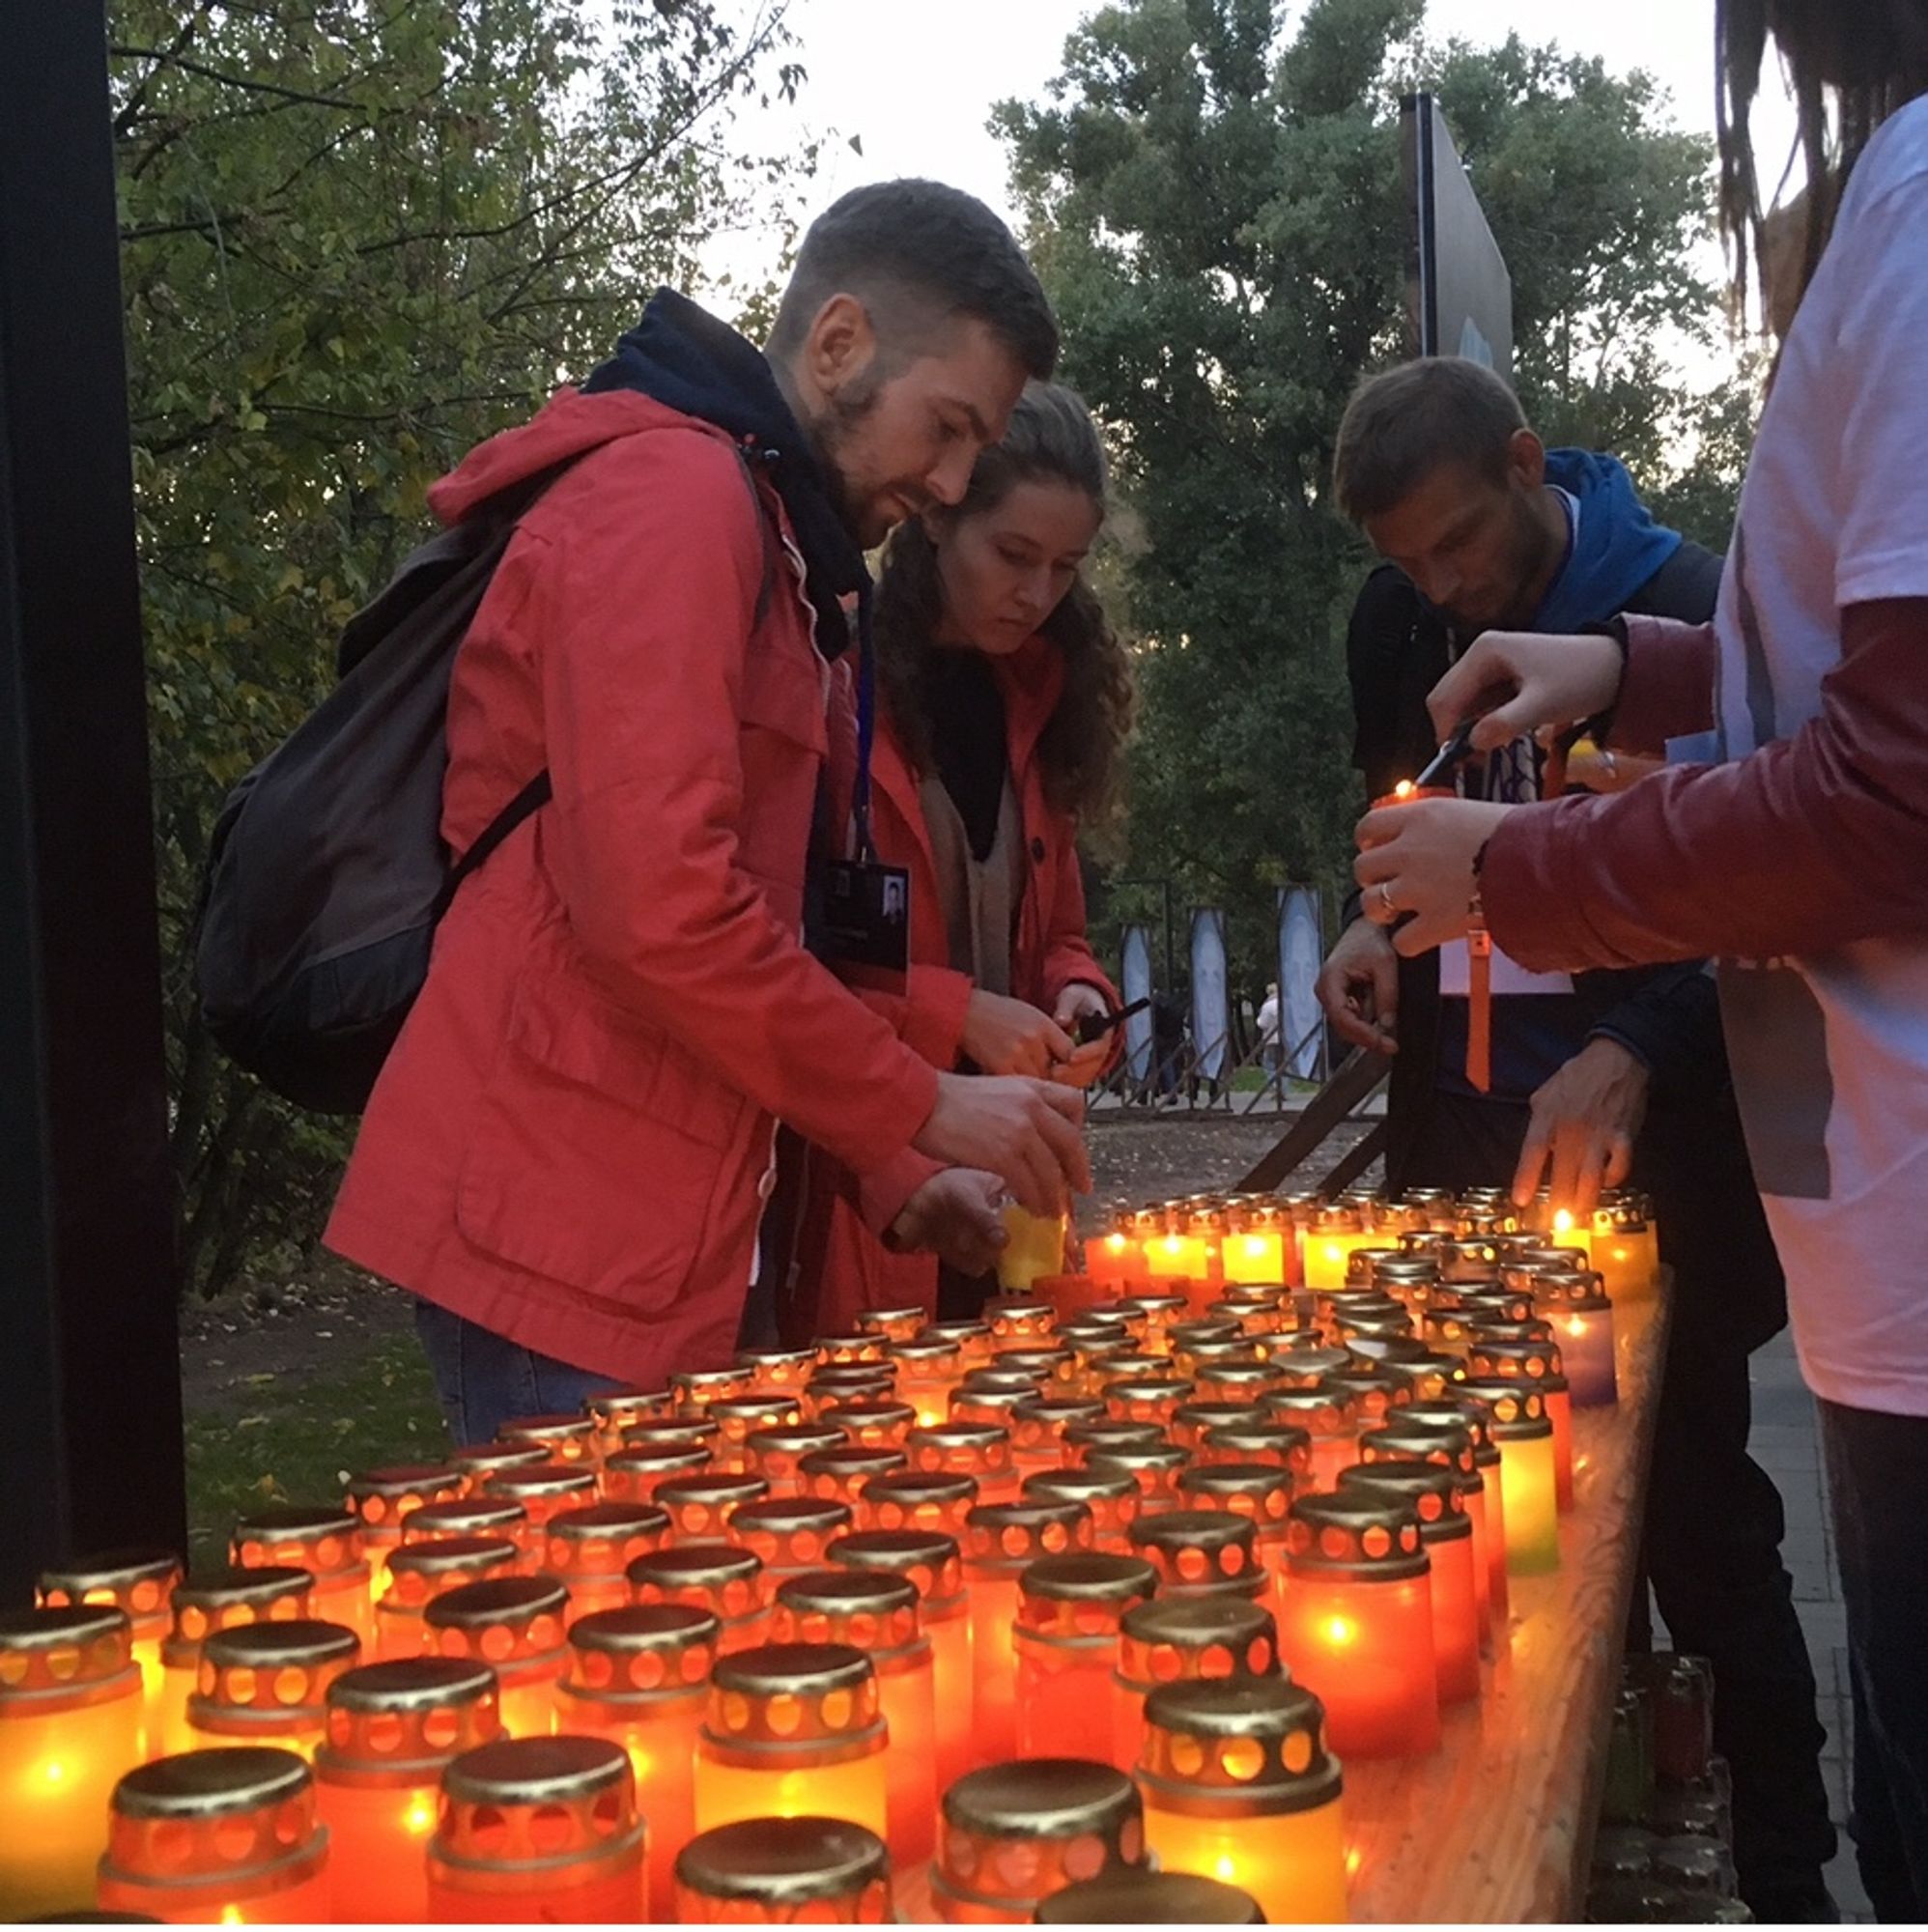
<point>1496,1827</point>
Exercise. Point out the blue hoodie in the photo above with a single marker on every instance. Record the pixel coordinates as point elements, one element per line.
<point>1617,547</point>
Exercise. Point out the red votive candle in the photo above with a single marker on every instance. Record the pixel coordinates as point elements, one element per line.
<point>784,1871</point>
<point>1458,1414</point>
<point>840,1475</point>
<point>633,1474</point>
<point>873,1424</point>
<point>912,1500</point>
<point>701,1507</point>
<point>739,1417</point>
<point>726,1582</point>
<point>895,1324</point>
<point>268,1684</point>
<point>1069,1609</point>
<point>928,1367</point>
<point>589,1550</point>
<point>981,1451</point>
<point>771,1370</point>
<point>1154,1467</point>
<point>777,1454</point>
<point>417,1572</point>
<point>614,1410</point>
<point>1261,1492</point>
<point>516,1626</point>
<point>327,1543</point>
<point>222,1601</point>
<point>1450,1449</point>
<point>1329,1414</point>
<point>562,1439</point>
<point>1167,1639</point>
<point>544,1491</point>
<point>1112,1500</point>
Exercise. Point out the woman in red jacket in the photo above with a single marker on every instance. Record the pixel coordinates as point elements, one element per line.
<point>1005,701</point>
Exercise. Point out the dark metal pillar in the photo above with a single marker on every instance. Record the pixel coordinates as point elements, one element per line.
<point>90,1392</point>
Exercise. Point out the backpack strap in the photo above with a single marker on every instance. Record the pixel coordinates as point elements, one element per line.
<point>531,798</point>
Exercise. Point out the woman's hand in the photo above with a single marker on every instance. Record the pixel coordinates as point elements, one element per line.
<point>1079,1001</point>
<point>1418,859</point>
<point>1517,683</point>
<point>1003,1036</point>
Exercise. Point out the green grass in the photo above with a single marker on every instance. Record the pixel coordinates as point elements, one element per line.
<point>292,1437</point>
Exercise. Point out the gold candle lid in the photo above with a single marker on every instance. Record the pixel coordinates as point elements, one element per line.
<point>567,1438</point>
<point>895,1324</point>
<point>601,1539</point>
<point>1172,1637</point>
<point>697,1388</point>
<point>381,1497</point>
<point>1200,1552</point>
<point>511,1622</point>
<point>1303,1367</point>
<point>1132,1367</point>
<point>1158,1309</point>
<point>1285,1445</point>
<point>477,1461</point>
<point>992,1402</point>
<point>974,1338</point>
<point>1260,1491</point>
<point>1580,1290</point>
<point>842,1351</point>
<point>1016,1833</point>
<point>1431,1491</point>
<point>778,1368</point>
<point>738,1417</point>
<point>871,1424</point>
<point>231,1597</point>
<point>1518,1407</point>
<point>790,1532</point>
<point>1372,1389</point>
<point>1151,1466</point>
<point>480,1515</point>
<point>1449,1414</point>
<point>1082,1439</point>
<point>1382,1350</point>
<point>1192,1423</point>
<point>642,1657</point>
<point>1237,1747</point>
<point>1140,1896</point>
<point>1322,1410</point>
<point>960,1449</point>
<point>615,1410</point>
<point>1078,1599</point>
<point>1480,1305</point>
<point>1153,1399</point>
<point>1248,1294</point>
<point>1207,1329</point>
<point>871,1611</point>
<point>840,1475</point>
<point>715,1576</point>
<point>269,1676</point>
<point>1236,1381</point>
<point>326,1542</point>
<point>1439,1442</point>
<point>929,1559</point>
<point>400,1723</point>
<point>59,1659</point>
<point>546,1487</point>
<point>419,1571</point>
<point>1007,1536</point>
<point>927,1356</point>
<point>1018,1315</point>
<point>780,1696</point>
<point>1534,1361</point>
<point>1038,1425</point>
<point>139,1581</point>
<point>703,1507</point>
<point>912,1499</point>
<point>1112,1495</point>
<point>683,1432</point>
<point>1372,1538</point>
<point>633,1473</point>
<point>781,1867</point>
<point>1050,1366</point>
<point>535,1804</point>
<point>775,1453</point>
<point>244,1812</point>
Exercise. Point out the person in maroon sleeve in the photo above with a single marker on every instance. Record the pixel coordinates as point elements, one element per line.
<point>1789,835</point>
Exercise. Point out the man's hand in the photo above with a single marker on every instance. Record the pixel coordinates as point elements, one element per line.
<point>1024,1131</point>
<point>1418,859</point>
<point>1358,987</point>
<point>954,1217</point>
<point>1080,1000</point>
<point>1012,1037</point>
<point>1584,1121</point>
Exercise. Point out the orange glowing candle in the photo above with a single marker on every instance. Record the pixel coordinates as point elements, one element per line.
<point>1112,1498</point>
<point>380,1498</point>
<point>784,1871</point>
<point>1452,1417</point>
<point>636,1471</point>
<point>327,1543</point>
<point>477,1461</point>
<point>1152,1465</point>
<point>1259,1493</point>
<point>739,1417</point>
<point>1203,1553</point>
<point>392,1730</point>
<point>496,1517</point>
<point>268,1684</point>
<point>1069,1610</point>
<point>840,1475</point>
<point>589,1550</point>
<point>516,1625</point>
<point>790,1534</point>
<point>69,1726</point>
<point>1034,1246</point>
<point>640,1678</point>
<point>1152,1399</point>
<point>777,1454</point>
<point>701,1506</point>
<point>1331,1416</point>
<point>727,1581</point>
<point>1183,1638</point>
<point>1449,1445</point>
<point>979,1450</point>
<point>1016,1833</point>
<point>419,1571</point>
<point>1239,1787</point>
<point>1142,1896</point>
<point>1115,1260</point>
<point>875,1612</point>
<point>539,1829</point>
<point>217,1837</point>
<point>901,1323</point>
<point>928,1367</point>
<point>543,1490</point>
<point>1038,1425</point>
<point>849,1381</point>
<point>1254,1248</point>
<point>1327,1244</point>
<point>694,1389</point>
<point>1356,1623</point>
<point>785,1370</point>
<point>613,1410</point>
<point>989,1398</point>
<point>220,1602</point>
<point>1283,1446</point>
<point>793,1730</point>
<point>141,1583</point>
<point>1537,1360</point>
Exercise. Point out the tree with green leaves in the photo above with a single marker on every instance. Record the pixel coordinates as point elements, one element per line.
<point>1214,205</point>
<point>360,236</point>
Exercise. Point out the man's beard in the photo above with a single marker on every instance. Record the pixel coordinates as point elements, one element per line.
<point>834,433</point>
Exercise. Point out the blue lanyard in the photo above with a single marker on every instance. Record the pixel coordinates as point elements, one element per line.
<point>867,725</point>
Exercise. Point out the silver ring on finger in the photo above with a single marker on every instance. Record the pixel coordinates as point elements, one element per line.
<point>1387,900</point>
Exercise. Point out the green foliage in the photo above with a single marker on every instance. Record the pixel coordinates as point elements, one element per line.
<point>360,237</point>
<point>1215,209</point>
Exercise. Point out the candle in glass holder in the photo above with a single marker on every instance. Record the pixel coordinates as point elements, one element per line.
<point>1235,1381</point>
<point>640,1678</point>
<point>695,1431</point>
<point>1016,1833</point>
<point>1038,1428</point>
<point>563,1439</point>
<point>268,1684</point>
<point>392,1729</point>
<point>1432,1492</point>
<point>1450,1448</point>
<point>1001,1540</point>
<point>739,1417</point>
<point>928,1367</point>
<point>702,1506</point>
<point>989,1398</point>
<point>539,1829</point>
<point>1187,1337</point>
<point>518,1625</point>
<point>788,1370</point>
<point>873,1424</point>
<point>972,1340</point>
<point>790,1534</point>
<point>1195,1420</point>
<point>1034,1246</point>
<point>694,1389</point>
<point>901,1323</point>
<point>974,1449</point>
<point>1152,1465</point>
<point>1453,1417</point>
<point>1115,1260</point>
<point>1203,1553</point>
<point>1183,1638</point>
<point>141,1583</point>
<point>1260,1493</point>
<point>1306,1364</point>
<point>793,1730</point>
<point>1623,1246</point>
<point>1374,1392</point>
<point>777,1454</point>
<point>381,1498</point>
<point>1083,1440</point>
<point>1066,1633</point>
<point>1329,1414</point>
<point>1529,1477</point>
<point>727,1581</point>
<point>475,1515</point>
<point>1142,1896</point>
<point>1539,1361</point>
<point>70,1716</point>
<point>1254,1247</point>
<point>419,1571</point>
<point>327,1543</point>
<point>911,1500</point>
<point>1184,1252</point>
<point>1356,1623</point>
<point>1148,1318</point>
<point>861,1349</point>
<point>931,1562</point>
<point>784,1871</point>
<point>1238,1786</point>
<point>219,1600</point>
<point>215,1837</point>
<point>477,1461</point>
<point>613,1410</point>
<point>840,1475</point>
<point>1154,1400</point>
<point>1283,1445</point>
<point>633,1472</point>
<point>1582,1317</point>
<point>543,1490</point>
<point>876,1611</point>
<point>1327,1241</point>
<point>589,1550</point>
<point>1112,1497</point>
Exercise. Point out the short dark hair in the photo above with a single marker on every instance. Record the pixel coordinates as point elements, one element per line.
<point>917,244</point>
<point>1403,423</point>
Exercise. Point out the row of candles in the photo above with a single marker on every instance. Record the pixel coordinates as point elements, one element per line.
<point>1115,1574</point>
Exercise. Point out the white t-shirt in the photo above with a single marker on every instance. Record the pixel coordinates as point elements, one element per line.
<point>1830,1052</point>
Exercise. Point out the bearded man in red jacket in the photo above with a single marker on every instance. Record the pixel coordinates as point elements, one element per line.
<point>569,1150</point>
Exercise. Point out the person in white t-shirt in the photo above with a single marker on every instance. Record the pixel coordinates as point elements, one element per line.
<point>1790,837</point>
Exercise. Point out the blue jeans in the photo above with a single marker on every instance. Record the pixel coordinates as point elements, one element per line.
<point>1878,1488</point>
<point>483,1380</point>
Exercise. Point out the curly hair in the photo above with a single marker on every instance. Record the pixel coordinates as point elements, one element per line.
<point>1051,439</point>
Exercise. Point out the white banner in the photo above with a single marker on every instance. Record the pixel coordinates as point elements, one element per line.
<point>1134,980</point>
<point>1210,1010</point>
<point>1301,952</point>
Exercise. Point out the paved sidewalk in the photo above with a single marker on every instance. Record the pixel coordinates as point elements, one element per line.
<point>1786,1443</point>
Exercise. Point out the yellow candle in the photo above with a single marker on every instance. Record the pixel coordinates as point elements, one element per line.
<point>325,1541</point>
<point>1034,1246</point>
<point>515,1625</point>
<point>784,1871</point>
<point>1327,1244</point>
<point>268,1684</point>
<point>1529,1475</point>
<point>142,1584</point>
<point>69,1726</point>
<point>1255,1254</point>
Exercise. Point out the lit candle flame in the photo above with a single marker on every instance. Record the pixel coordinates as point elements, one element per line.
<point>419,1818</point>
<point>231,1915</point>
<point>1563,1222</point>
<point>1340,1632</point>
<point>1403,790</point>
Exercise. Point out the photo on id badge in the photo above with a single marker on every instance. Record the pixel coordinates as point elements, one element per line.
<point>867,925</point>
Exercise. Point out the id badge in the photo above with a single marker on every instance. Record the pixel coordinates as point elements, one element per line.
<point>866,923</point>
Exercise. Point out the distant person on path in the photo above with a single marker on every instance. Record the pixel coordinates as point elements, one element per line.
<point>1597,1076</point>
<point>1268,1028</point>
<point>567,1154</point>
<point>1006,700</point>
